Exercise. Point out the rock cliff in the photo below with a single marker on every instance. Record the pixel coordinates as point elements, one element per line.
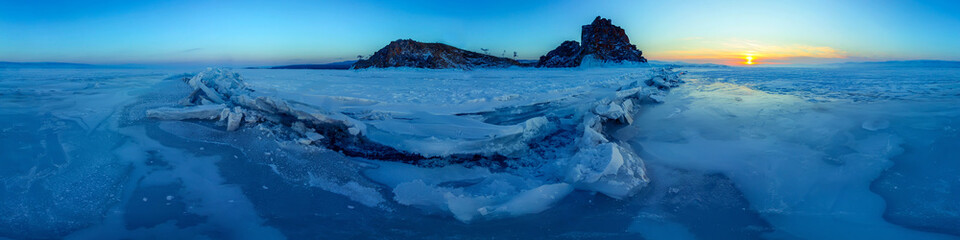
<point>601,40</point>
<point>410,53</point>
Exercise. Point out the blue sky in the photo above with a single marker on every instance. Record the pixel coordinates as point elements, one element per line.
<point>287,32</point>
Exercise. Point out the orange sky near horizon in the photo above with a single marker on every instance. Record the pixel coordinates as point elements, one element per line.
<point>743,52</point>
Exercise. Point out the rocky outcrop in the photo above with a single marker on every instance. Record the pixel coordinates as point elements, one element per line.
<point>566,55</point>
<point>410,53</point>
<point>607,42</point>
<point>601,40</point>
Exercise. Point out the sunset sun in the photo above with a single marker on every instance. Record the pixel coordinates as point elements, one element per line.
<point>749,59</point>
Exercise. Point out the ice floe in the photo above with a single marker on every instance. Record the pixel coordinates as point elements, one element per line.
<point>401,132</point>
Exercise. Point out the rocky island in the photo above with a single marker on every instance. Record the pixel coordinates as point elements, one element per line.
<point>410,53</point>
<point>602,41</point>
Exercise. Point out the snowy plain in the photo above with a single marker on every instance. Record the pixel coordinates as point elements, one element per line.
<point>732,153</point>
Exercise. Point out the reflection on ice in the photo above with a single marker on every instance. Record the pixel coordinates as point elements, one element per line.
<point>805,166</point>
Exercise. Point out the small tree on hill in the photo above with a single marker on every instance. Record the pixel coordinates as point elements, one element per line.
<point>484,50</point>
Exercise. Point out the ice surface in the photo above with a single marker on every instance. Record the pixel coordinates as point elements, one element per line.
<point>58,172</point>
<point>467,193</point>
<point>209,112</point>
<point>596,164</point>
<point>805,162</point>
<point>734,153</point>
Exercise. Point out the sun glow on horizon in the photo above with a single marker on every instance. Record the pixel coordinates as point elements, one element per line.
<point>740,52</point>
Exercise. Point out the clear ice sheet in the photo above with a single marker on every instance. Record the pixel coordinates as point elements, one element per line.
<point>733,153</point>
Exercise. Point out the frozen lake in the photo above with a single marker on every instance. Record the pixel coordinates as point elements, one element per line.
<point>732,153</point>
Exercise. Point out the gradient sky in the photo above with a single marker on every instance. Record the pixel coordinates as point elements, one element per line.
<point>289,32</point>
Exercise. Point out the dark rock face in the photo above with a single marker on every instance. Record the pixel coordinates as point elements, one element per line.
<point>566,55</point>
<point>602,41</point>
<point>607,42</point>
<point>410,53</point>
